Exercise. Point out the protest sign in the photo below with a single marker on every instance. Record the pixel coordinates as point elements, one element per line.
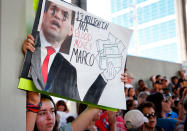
<point>77,55</point>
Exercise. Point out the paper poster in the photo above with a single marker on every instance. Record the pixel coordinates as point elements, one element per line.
<point>78,56</point>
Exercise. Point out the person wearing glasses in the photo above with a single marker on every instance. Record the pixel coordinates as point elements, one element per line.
<point>148,109</point>
<point>162,106</point>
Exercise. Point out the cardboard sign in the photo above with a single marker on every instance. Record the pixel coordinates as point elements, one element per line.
<point>77,55</point>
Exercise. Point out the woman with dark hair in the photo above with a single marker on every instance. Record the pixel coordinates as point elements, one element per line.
<point>131,94</point>
<point>162,106</point>
<point>61,106</point>
<point>41,115</point>
<point>46,117</point>
<point>174,83</point>
<point>148,109</point>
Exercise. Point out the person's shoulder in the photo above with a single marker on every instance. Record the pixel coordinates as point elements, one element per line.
<point>168,120</point>
<point>66,63</point>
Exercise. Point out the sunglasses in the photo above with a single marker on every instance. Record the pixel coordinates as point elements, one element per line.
<point>149,115</point>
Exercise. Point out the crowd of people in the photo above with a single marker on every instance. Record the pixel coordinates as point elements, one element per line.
<point>161,101</point>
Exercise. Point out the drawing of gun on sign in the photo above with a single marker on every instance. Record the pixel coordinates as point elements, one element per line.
<point>110,52</point>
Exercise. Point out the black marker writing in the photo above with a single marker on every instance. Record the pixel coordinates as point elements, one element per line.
<point>86,19</point>
<point>83,57</point>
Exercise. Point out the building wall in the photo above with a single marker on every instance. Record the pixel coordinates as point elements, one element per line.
<point>144,68</point>
<point>12,34</point>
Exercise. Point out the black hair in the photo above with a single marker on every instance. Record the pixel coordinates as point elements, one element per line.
<point>43,96</point>
<point>146,104</point>
<point>172,79</point>
<point>181,92</point>
<point>156,99</point>
<point>62,103</point>
<point>140,81</point>
<point>129,104</point>
<point>129,91</point>
<point>176,103</point>
<point>158,82</point>
<point>70,119</point>
<point>157,76</point>
<point>47,5</point>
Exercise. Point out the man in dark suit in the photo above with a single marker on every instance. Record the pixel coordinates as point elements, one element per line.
<point>60,76</point>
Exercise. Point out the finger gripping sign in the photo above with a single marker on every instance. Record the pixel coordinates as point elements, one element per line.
<point>87,60</point>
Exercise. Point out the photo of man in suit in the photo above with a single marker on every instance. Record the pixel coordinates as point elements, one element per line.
<point>50,71</point>
<point>56,75</point>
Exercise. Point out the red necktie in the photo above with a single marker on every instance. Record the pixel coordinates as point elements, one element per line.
<point>50,51</point>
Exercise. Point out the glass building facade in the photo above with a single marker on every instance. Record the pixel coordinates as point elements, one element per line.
<point>154,25</point>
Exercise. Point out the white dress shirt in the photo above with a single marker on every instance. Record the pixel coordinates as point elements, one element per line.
<point>44,44</point>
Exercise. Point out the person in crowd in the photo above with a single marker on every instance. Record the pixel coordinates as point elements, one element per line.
<point>182,126</point>
<point>142,87</point>
<point>182,74</point>
<point>164,83</point>
<point>181,83</point>
<point>167,92</point>
<point>157,87</point>
<point>173,84</point>
<point>131,93</point>
<point>107,121</point>
<point>146,89</point>
<point>120,123</point>
<point>148,109</point>
<point>176,90</point>
<point>158,78</point>
<point>171,114</point>
<point>141,84</point>
<point>61,106</point>
<point>162,106</point>
<point>129,82</point>
<point>151,82</point>
<point>134,120</point>
<point>181,115</point>
<point>126,83</point>
<point>63,113</point>
<point>41,115</point>
<point>131,104</point>
<point>182,77</point>
<point>126,91</point>
<point>177,106</point>
<point>142,96</point>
